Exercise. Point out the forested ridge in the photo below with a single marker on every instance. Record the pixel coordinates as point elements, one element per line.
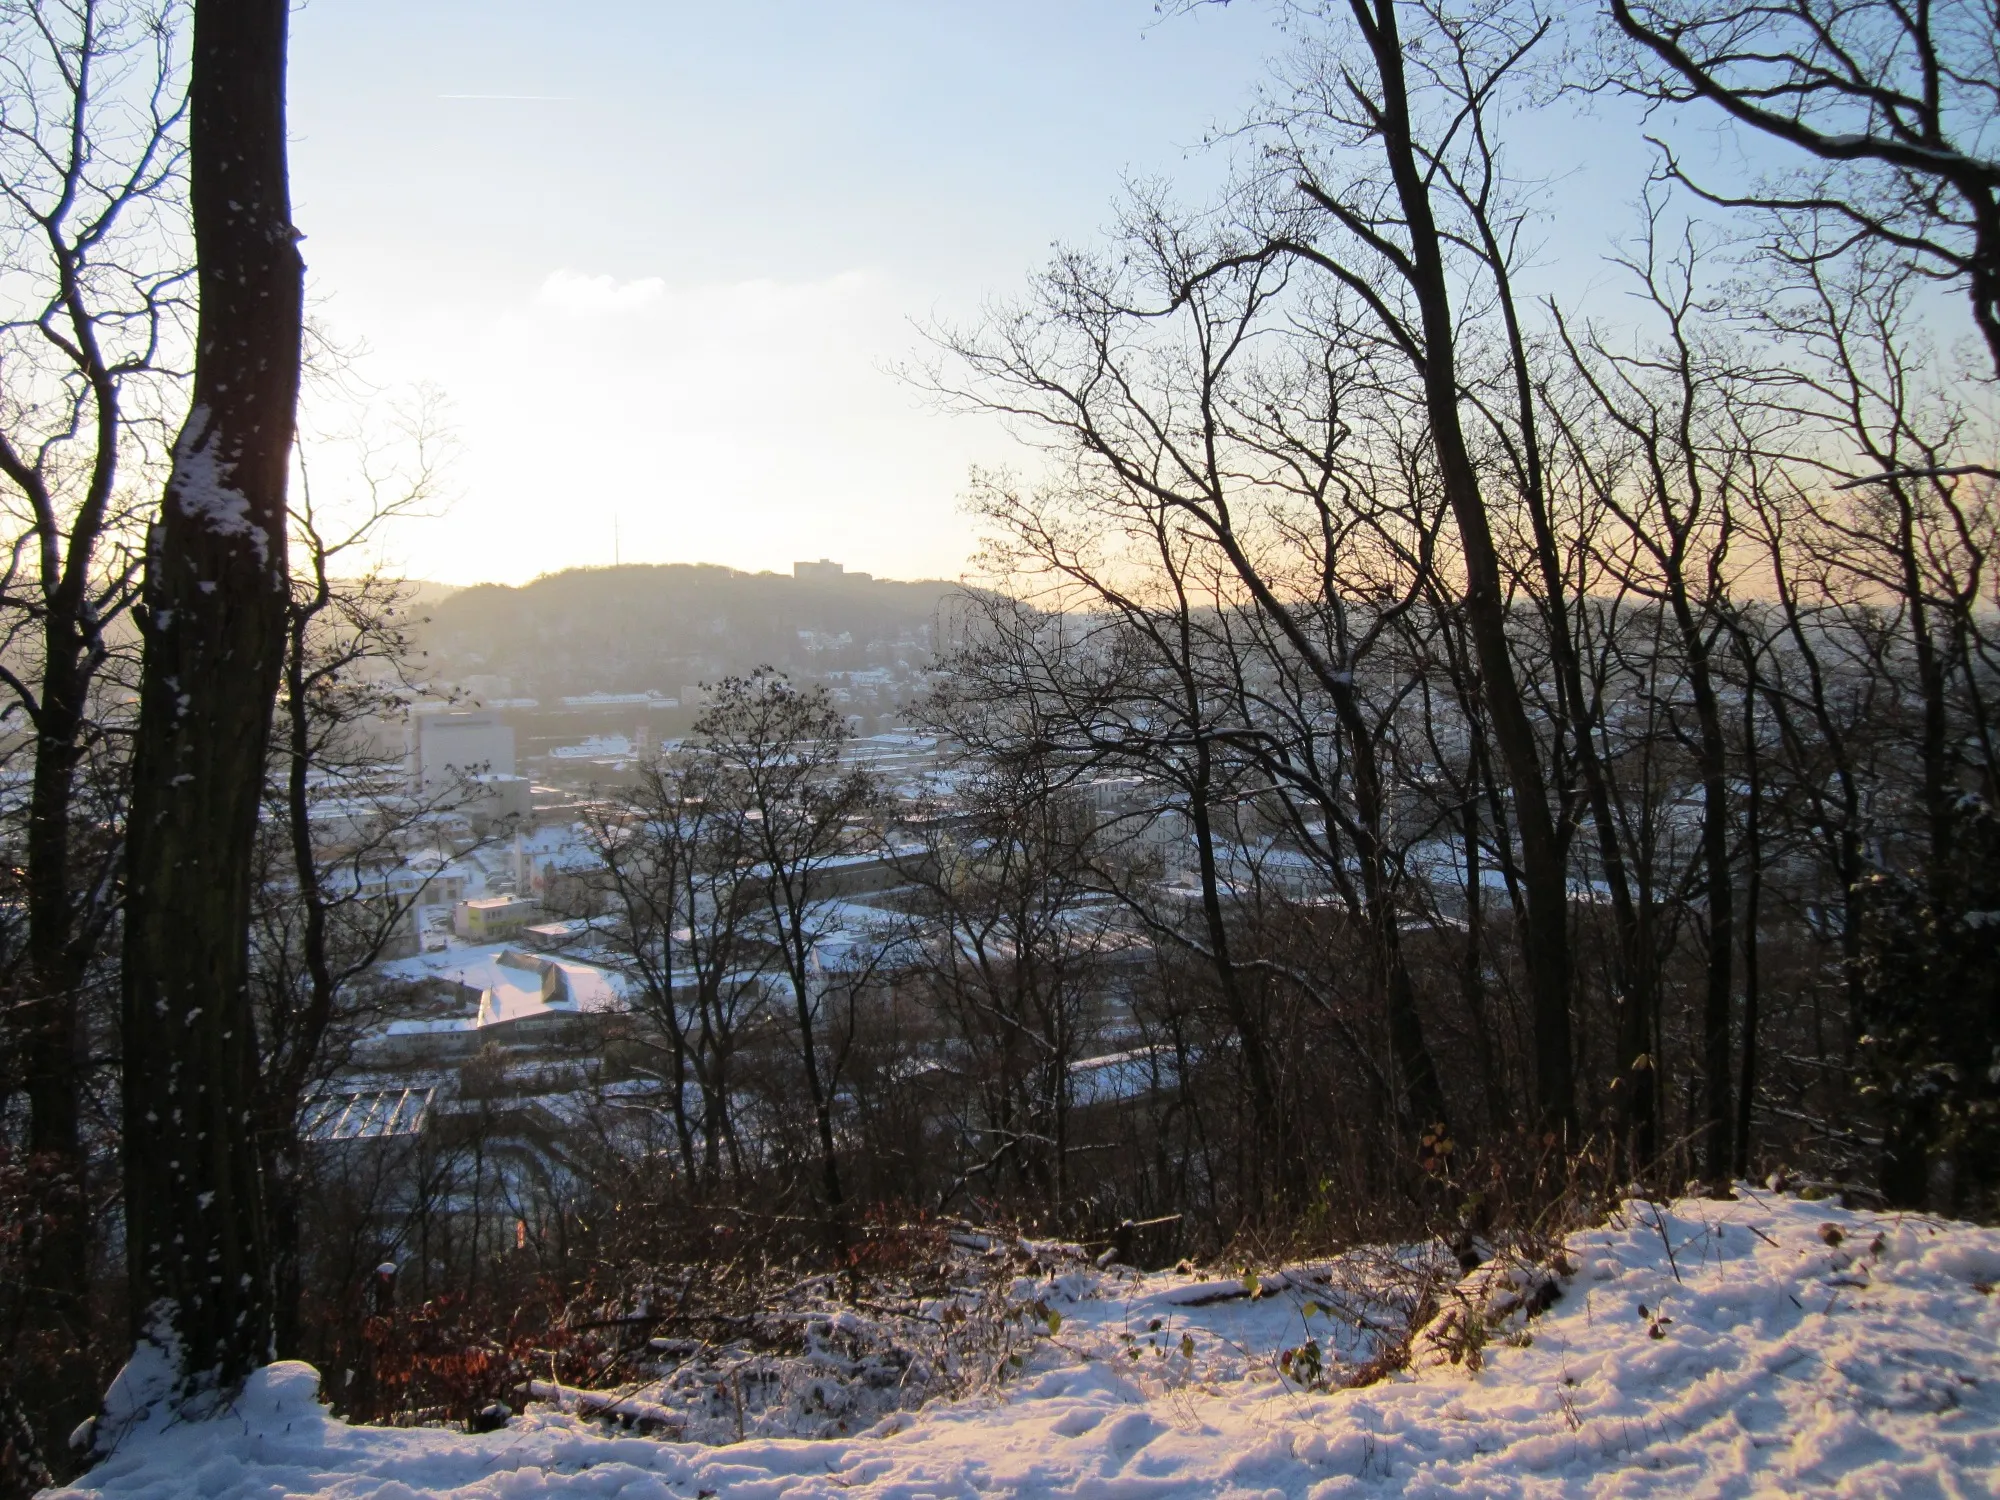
<point>660,627</point>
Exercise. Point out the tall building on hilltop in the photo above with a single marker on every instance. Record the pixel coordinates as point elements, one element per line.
<point>827,571</point>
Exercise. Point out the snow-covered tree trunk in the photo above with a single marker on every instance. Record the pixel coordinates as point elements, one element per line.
<point>215,601</point>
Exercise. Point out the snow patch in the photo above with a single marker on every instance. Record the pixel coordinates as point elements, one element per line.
<point>1760,1347</point>
<point>202,495</point>
<point>279,1395</point>
<point>142,1391</point>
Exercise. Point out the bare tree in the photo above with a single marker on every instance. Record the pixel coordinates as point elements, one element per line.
<point>1897,565</point>
<point>1398,198</point>
<point>1159,374</point>
<point>1078,676</point>
<point>1668,461</point>
<point>216,601</point>
<point>1014,958</point>
<point>684,896</point>
<point>1894,103</point>
<point>779,753</point>
<point>337,820</point>
<point>1919,524</point>
<point>92,148</point>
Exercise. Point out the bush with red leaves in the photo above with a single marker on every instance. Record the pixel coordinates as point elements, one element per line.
<point>455,1358</point>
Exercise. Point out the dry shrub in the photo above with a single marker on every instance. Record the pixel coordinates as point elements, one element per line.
<point>450,1360</point>
<point>1515,1205</point>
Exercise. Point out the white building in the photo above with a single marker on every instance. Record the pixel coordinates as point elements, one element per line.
<point>452,743</point>
<point>495,800</point>
<point>827,571</point>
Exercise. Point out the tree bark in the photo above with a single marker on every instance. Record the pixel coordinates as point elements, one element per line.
<point>1718,1114</point>
<point>56,1247</point>
<point>216,594</point>
<point>52,1037</point>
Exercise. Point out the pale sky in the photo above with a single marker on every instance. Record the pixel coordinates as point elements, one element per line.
<point>660,256</point>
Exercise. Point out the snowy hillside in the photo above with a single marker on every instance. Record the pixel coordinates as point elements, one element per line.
<point>1763,1346</point>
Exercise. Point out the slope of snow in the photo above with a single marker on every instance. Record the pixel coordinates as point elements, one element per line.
<point>1784,1348</point>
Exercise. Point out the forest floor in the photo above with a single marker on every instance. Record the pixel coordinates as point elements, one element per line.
<point>1767,1345</point>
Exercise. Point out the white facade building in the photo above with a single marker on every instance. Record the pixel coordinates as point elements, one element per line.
<point>455,743</point>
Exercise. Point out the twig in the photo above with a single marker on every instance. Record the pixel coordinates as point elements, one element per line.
<point>1660,1224</point>
<point>1955,472</point>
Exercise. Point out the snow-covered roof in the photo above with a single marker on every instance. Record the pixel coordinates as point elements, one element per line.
<point>369,1114</point>
<point>513,985</point>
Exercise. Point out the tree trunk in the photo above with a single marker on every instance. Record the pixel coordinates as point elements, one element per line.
<point>1543,875</point>
<point>216,595</point>
<point>1472,976</point>
<point>1718,1114</point>
<point>822,1101</point>
<point>283,1168</point>
<point>293,1047</point>
<point>1753,859</point>
<point>1272,1136</point>
<point>55,1242</point>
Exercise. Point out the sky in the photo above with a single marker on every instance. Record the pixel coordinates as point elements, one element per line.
<point>663,259</point>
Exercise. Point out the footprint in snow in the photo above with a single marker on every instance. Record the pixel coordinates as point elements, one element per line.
<point>1076,1423</point>
<point>1132,1431</point>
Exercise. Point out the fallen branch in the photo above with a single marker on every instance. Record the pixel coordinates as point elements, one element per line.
<point>604,1404</point>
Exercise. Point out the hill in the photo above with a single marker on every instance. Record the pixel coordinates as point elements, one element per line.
<point>647,627</point>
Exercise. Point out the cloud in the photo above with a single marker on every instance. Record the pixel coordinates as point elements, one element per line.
<point>787,308</point>
<point>572,291</point>
<point>713,356</point>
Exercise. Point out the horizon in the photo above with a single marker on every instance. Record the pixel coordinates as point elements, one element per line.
<point>858,575</point>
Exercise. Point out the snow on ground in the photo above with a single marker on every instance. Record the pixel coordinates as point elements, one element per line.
<point>1767,1346</point>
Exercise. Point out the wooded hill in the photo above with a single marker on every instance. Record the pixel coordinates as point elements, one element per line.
<point>644,627</point>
